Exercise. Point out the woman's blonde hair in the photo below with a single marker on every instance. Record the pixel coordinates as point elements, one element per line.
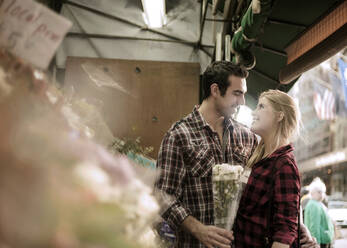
<point>287,128</point>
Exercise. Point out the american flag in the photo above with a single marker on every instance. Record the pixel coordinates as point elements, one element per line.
<point>325,106</point>
<point>343,71</point>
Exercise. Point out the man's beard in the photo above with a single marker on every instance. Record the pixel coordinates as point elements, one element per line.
<point>226,112</point>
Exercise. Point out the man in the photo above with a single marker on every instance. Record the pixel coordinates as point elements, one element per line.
<point>316,216</point>
<point>206,137</point>
<point>190,149</point>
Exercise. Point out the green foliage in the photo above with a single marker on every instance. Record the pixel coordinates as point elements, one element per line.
<point>128,145</point>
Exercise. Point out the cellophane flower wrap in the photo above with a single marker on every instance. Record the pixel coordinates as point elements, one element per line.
<point>226,187</point>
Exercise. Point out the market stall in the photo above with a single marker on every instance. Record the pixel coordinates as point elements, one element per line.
<point>88,89</point>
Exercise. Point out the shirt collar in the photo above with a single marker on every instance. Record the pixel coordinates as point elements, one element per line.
<point>282,150</point>
<point>202,123</point>
<point>198,119</point>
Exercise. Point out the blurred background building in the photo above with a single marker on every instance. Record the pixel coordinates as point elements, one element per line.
<point>322,149</point>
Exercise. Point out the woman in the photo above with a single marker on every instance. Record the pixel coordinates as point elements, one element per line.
<point>269,207</point>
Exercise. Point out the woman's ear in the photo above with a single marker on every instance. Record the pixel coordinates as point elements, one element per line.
<point>214,89</point>
<point>280,116</point>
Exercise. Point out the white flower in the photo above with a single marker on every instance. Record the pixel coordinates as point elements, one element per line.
<point>226,172</point>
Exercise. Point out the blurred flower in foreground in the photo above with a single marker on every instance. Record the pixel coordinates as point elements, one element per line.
<point>58,188</point>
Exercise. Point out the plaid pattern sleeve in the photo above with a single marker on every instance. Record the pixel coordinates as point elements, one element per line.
<point>286,201</point>
<point>170,182</point>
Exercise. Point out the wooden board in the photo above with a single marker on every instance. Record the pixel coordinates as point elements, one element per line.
<point>139,98</point>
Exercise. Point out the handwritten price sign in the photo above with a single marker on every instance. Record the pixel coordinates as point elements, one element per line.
<point>31,31</point>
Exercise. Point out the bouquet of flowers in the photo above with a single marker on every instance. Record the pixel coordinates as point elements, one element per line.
<point>226,187</point>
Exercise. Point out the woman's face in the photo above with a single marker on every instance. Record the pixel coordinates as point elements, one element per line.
<point>264,118</point>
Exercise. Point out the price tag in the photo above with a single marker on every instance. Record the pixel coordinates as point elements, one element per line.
<point>31,31</point>
<point>245,175</point>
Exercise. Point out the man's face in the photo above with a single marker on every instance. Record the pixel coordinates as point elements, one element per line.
<point>234,96</point>
<point>317,195</point>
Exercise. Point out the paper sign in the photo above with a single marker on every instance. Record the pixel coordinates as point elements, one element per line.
<point>31,31</point>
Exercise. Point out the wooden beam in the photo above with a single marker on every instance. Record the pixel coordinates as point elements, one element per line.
<point>321,41</point>
<point>318,32</point>
<point>321,52</point>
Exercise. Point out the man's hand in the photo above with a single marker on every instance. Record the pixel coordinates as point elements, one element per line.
<point>211,236</point>
<point>306,240</point>
<point>279,245</point>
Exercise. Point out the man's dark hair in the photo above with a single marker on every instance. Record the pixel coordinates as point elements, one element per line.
<point>218,72</point>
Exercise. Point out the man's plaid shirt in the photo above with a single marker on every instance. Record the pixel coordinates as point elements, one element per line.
<point>186,157</point>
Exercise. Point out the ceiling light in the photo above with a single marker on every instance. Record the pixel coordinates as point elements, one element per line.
<point>154,13</point>
<point>244,115</point>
